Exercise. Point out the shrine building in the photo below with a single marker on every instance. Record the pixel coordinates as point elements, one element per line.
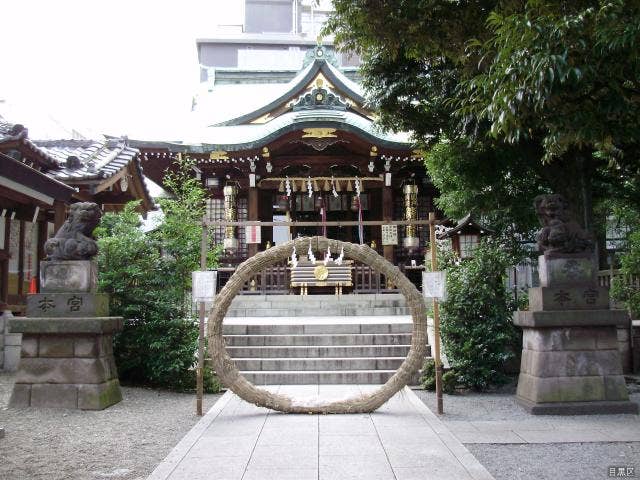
<point>309,153</point>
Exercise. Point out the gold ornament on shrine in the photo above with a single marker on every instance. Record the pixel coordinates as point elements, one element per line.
<point>218,155</point>
<point>230,241</point>
<point>321,273</point>
<point>319,133</point>
<point>411,239</point>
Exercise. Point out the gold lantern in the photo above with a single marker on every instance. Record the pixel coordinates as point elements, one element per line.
<point>411,239</point>
<point>230,242</point>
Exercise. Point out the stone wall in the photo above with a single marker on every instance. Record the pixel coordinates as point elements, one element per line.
<point>10,344</point>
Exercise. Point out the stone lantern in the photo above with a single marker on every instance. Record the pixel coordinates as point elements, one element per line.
<point>465,236</point>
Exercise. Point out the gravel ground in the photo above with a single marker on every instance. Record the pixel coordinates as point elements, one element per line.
<point>584,461</point>
<point>123,442</point>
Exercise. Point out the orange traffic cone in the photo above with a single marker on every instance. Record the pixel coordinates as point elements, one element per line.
<point>33,287</point>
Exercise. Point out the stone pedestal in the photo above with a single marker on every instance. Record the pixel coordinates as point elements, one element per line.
<point>570,360</point>
<point>67,344</point>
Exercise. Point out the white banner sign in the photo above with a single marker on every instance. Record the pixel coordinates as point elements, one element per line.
<point>389,235</point>
<point>434,285</point>
<point>253,234</point>
<point>203,285</point>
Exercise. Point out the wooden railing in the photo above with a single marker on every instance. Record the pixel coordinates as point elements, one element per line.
<point>277,280</point>
<point>605,276</point>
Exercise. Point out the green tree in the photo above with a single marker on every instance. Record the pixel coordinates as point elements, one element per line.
<point>148,279</point>
<point>625,287</point>
<point>555,82</point>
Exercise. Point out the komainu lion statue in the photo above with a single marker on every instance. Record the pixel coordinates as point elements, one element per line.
<point>74,240</point>
<point>560,233</point>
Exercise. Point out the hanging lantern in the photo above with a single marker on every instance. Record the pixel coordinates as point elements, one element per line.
<point>230,242</point>
<point>283,203</point>
<point>411,239</point>
<point>318,202</point>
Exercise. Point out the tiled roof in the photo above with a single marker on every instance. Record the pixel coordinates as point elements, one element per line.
<point>14,133</point>
<point>96,160</point>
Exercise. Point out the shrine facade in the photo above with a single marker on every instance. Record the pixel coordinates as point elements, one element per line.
<point>309,154</point>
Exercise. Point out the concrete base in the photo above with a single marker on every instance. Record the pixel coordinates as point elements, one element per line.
<point>572,370</point>
<point>64,395</point>
<point>66,363</point>
<point>578,408</point>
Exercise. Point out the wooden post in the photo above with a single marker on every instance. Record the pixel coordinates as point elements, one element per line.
<point>436,313</point>
<point>200,370</point>
<point>387,215</point>
<point>21,238</point>
<point>59,213</point>
<point>252,214</point>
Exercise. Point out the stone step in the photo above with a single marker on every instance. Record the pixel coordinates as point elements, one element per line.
<point>322,310</point>
<point>315,328</point>
<point>318,377</point>
<point>311,352</point>
<point>246,299</point>
<point>318,364</point>
<point>274,303</point>
<point>319,340</point>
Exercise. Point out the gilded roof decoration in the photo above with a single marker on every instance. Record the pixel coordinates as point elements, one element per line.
<point>319,133</point>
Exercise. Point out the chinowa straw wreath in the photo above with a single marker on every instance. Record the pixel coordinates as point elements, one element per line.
<point>364,403</point>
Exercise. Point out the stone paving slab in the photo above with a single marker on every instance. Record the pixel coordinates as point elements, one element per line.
<point>569,429</point>
<point>402,440</point>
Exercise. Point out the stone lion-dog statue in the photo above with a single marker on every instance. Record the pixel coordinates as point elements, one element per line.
<point>74,240</point>
<point>560,234</point>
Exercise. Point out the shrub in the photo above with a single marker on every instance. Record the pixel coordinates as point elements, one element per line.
<point>449,381</point>
<point>476,321</point>
<point>623,288</point>
<point>428,378</point>
<point>148,279</point>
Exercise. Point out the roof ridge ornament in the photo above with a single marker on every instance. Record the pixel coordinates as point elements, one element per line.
<point>320,97</point>
<point>320,53</point>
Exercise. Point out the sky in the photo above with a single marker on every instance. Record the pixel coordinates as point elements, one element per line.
<point>114,67</point>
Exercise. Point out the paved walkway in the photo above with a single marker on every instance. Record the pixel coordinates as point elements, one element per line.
<point>402,440</point>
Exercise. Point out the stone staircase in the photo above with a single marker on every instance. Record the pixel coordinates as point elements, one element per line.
<point>301,340</point>
<point>318,305</point>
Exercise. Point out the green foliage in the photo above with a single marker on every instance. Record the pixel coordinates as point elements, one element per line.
<point>487,183</point>
<point>624,288</point>
<point>428,378</point>
<point>517,84</point>
<point>449,381</point>
<point>477,330</point>
<point>148,280</point>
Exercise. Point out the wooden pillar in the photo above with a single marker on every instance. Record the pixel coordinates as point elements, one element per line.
<point>252,215</point>
<point>59,214</point>
<point>21,258</point>
<point>387,215</point>
<point>42,238</point>
<point>4,264</point>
